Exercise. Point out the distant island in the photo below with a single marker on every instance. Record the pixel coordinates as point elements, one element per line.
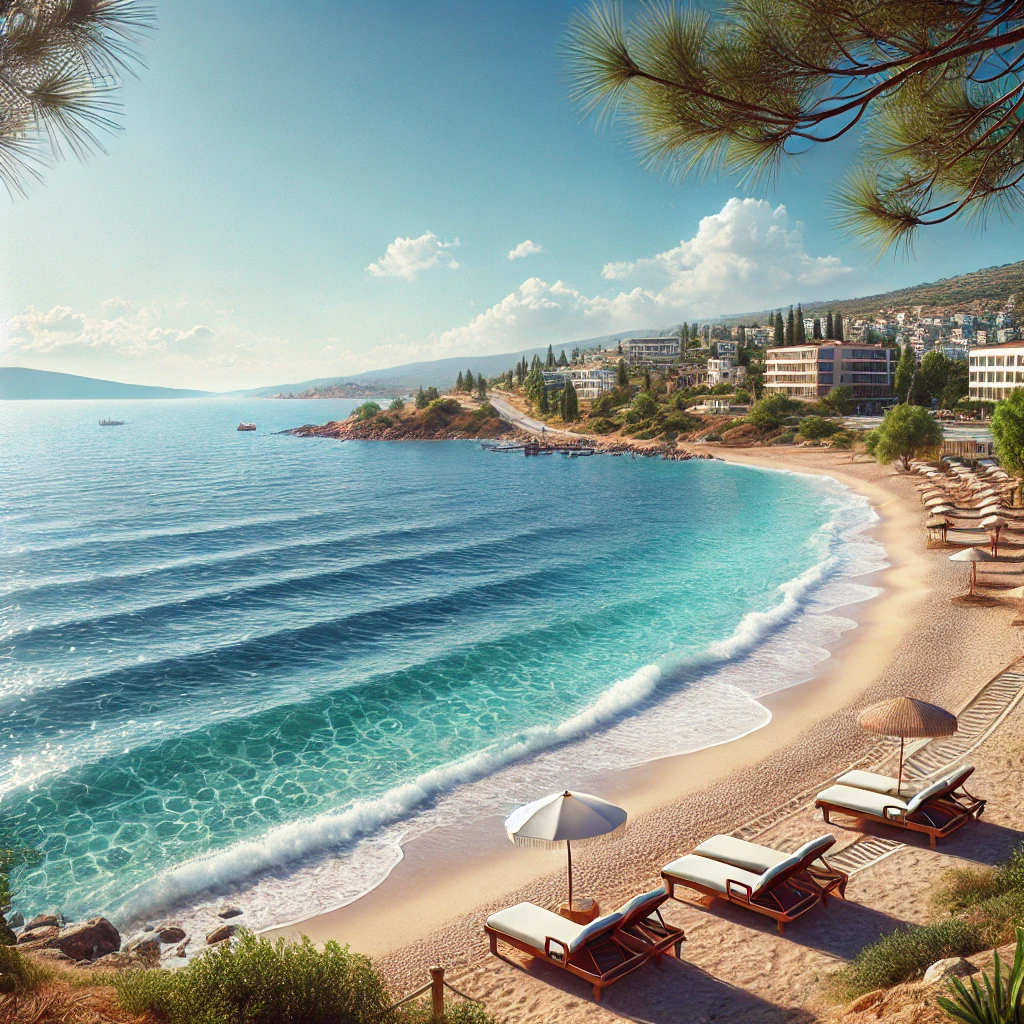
<point>19,383</point>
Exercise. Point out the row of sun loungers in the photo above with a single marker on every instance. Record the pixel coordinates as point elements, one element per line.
<point>781,886</point>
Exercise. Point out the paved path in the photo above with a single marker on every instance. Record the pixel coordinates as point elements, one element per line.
<point>510,414</point>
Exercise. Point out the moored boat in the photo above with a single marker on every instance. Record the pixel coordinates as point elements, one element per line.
<point>246,426</point>
<point>111,423</point>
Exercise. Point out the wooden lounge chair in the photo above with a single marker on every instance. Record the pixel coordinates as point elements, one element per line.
<point>781,886</point>
<point>936,810</point>
<point>600,952</point>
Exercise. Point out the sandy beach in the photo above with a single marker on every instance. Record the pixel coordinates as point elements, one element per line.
<point>912,639</point>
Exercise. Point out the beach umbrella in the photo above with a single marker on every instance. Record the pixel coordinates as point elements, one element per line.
<point>909,719</point>
<point>563,818</point>
<point>937,523</point>
<point>936,501</point>
<point>941,510</point>
<point>974,556</point>
<point>991,509</point>
<point>995,524</point>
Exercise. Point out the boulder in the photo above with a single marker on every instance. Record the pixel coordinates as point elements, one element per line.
<point>16,921</point>
<point>225,931</point>
<point>41,934</point>
<point>171,933</point>
<point>89,940</point>
<point>43,921</point>
<point>953,967</point>
<point>179,950</point>
<point>228,911</point>
<point>147,948</point>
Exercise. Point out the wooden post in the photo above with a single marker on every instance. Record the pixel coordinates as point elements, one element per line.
<point>437,992</point>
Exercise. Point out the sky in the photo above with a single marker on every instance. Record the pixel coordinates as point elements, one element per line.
<point>332,187</point>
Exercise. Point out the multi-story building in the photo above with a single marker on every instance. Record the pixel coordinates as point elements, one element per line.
<point>650,351</point>
<point>996,372</point>
<point>554,380</point>
<point>726,348</point>
<point>812,371</point>
<point>759,336</point>
<point>592,381</point>
<point>722,371</point>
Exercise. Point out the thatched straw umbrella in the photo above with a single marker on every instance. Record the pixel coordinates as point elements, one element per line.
<point>974,556</point>
<point>937,524</point>
<point>994,524</point>
<point>937,500</point>
<point>909,719</point>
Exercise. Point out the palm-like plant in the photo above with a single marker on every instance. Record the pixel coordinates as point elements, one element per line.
<point>997,1000</point>
<point>60,63</point>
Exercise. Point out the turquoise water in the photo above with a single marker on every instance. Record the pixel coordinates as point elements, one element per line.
<point>254,648</point>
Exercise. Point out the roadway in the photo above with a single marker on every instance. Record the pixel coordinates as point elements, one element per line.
<point>951,430</point>
<point>510,414</point>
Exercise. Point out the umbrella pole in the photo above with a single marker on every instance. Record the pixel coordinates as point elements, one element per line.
<point>899,778</point>
<point>568,850</point>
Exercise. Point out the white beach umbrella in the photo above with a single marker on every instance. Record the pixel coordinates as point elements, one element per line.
<point>941,510</point>
<point>974,556</point>
<point>937,500</point>
<point>995,524</point>
<point>563,818</point>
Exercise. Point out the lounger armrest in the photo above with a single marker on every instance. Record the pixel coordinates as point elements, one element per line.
<point>901,812</point>
<point>555,956</point>
<point>747,895</point>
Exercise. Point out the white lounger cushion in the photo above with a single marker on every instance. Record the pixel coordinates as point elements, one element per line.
<point>534,925</point>
<point>749,856</point>
<point>863,800</point>
<point>638,904</point>
<point>712,874</point>
<point>876,783</point>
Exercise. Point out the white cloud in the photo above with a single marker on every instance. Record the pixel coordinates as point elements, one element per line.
<point>524,249</point>
<point>407,258</point>
<point>748,256</point>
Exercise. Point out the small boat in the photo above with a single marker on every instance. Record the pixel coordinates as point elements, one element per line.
<point>580,453</point>
<point>246,426</point>
<point>111,423</point>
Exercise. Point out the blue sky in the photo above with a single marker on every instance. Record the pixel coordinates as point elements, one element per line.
<point>237,232</point>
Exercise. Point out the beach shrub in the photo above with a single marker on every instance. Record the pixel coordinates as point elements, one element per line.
<point>681,421</point>
<point>254,981</point>
<point>907,432</point>
<point>18,973</point>
<point>843,439</point>
<point>366,411</point>
<point>905,955</point>
<point>446,406</point>
<point>769,412</point>
<point>603,425</point>
<point>644,406</point>
<point>815,427</point>
<point>782,437</point>
<point>397,405</point>
<point>455,1013</point>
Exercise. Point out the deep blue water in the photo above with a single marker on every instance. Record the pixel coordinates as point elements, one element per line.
<point>208,638</point>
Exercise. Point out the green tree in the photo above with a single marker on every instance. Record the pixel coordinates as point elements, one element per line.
<point>61,62</point>
<point>790,327</point>
<point>933,373</point>
<point>957,384</point>
<point>459,383</point>
<point>644,406</point>
<point>801,331</point>
<point>934,88</point>
<point>543,404</point>
<point>905,370</point>
<point>814,427</point>
<point>816,329</point>
<point>562,361</point>
<point>829,327</point>
<point>1008,432</point>
<point>570,410</point>
<point>622,374</point>
<point>768,412</point>
<point>470,383</point>
<point>907,432</point>
<point>780,330</point>
<point>397,405</point>
<point>839,400</point>
<point>647,379</point>
<point>367,410</point>
<point>481,387</point>
<point>432,394</point>
<point>421,398</point>
<point>550,363</point>
<point>837,325</point>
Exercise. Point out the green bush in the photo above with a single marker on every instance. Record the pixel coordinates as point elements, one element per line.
<point>783,437</point>
<point>769,412</point>
<point>397,405</point>
<point>644,406</point>
<point>603,425</point>
<point>18,973</point>
<point>367,410</point>
<point>455,1013</point>
<point>383,420</point>
<point>844,439</point>
<point>906,954</point>
<point>446,406</point>
<point>681,422</point>
<point>966,887</point>
<point>815,427</point>
<point>257,982</point>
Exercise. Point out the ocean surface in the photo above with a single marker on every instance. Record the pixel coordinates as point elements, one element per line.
<point>258,664</point>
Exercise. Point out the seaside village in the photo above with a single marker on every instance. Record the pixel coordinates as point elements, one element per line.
<point>863,864</point>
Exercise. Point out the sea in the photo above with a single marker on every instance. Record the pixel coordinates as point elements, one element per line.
<point>253,665</point>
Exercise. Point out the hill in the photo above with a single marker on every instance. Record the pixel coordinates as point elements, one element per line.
<point>19,383</point>
<point>979,290</point>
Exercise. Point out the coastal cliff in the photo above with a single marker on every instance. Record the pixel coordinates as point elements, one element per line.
<point>444,419</point>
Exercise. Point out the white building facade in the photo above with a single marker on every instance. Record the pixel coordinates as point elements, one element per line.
<point>651,351</point>
<point>996,371</point>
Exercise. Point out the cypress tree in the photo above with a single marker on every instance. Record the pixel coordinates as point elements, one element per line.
<point>562,361</point>
<point>829,326</point>
<point>790,328</point>
<point>458,382</point>
<point>647,380</point>
<point>779,329</point>
<point>801,331</point>
<point>622,378</point>
<point>545,405</point>
<point>905,373</point>
<point>421,398</point>
<point>551,358</point>
<point>535,364</point>
<point>570,403</point>
<point>481,387</point>
<point>816,328</point>
<point>469,381</point>
<point>838,325</point>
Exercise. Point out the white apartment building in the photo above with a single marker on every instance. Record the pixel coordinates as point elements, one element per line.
<point>996,372</point>
<point>592,381</point>
<point>722,371</point>
<point>650,351</point>
<point>759,336</point>
<point>726,348</point>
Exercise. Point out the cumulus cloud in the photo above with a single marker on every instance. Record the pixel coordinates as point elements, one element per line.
<point>407,258</point>
<point>747,256</point>
<point>524,249</point>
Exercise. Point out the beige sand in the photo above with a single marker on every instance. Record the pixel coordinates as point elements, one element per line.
<point>912,640</point>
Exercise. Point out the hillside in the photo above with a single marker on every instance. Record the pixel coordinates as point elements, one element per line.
<point>981,289</point>
<point>443,420</point>
<point>19,384</point>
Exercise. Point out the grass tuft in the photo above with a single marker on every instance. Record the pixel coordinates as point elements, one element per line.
<point>19,973</point>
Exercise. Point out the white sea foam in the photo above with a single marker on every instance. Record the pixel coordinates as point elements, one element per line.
<point>334,858</point>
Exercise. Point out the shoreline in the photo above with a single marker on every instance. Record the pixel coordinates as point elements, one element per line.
<point>372,923</point>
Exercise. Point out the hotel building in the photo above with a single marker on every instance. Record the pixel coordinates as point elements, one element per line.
<point>996,370</point>
<point>650,351</point>
<point>812,371</point>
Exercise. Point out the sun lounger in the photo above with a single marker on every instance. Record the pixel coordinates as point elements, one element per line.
<point>781,886</point>
<point>936,810</point>
<point>600,952</point>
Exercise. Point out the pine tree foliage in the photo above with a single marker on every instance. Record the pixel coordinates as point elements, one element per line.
<point>935,87</point>
<point>61,64</point>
